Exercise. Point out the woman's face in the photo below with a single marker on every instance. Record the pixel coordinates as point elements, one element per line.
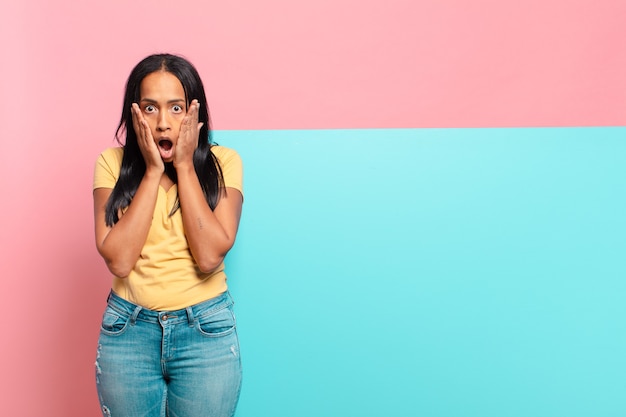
<point>162,103</point>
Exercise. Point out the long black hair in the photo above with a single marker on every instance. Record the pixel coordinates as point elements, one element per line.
<point>133,165</point>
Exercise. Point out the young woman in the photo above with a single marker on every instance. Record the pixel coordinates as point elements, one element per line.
<point>167,206</point>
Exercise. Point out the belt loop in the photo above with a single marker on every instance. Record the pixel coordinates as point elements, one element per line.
<point>190,317</point>
<point>133,318</point>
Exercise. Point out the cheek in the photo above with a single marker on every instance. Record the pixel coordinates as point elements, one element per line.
<point>151,120</point>
<point>176,123</point>
<point>153,127</point>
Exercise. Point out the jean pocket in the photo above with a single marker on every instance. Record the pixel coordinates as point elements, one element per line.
<point>113,322</point>
<point>216,324</point>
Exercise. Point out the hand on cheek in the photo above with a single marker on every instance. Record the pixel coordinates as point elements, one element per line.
<point>188,136</point>
<point>148,148</point>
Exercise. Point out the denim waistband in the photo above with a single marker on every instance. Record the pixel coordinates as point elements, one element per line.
<point>188,314</point>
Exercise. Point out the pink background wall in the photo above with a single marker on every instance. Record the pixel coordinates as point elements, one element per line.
<point>276,64</point>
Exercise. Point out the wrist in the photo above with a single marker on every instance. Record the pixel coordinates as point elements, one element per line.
<point>153,173</point>
<point>183,168</point>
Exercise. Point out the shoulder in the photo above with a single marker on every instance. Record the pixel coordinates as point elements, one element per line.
<point>232,167</point>
<point>228,158</point>
<point>225,155</point>
<point>108,166</point>
<point>112,155</point>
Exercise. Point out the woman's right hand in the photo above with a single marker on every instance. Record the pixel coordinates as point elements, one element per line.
<point>121,245</point>
<point>148,148</point>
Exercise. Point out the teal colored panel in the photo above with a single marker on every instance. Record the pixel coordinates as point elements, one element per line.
<point>432,272</point>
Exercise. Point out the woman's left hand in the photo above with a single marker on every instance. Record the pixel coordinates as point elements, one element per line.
<point>188,136</point>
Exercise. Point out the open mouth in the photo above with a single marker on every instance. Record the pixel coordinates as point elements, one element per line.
<point>165,148</point>
<point>165,144</point>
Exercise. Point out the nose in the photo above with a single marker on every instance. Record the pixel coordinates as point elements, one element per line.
<point>163,122</point>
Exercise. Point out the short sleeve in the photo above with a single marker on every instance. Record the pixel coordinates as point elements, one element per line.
<point>107,169</point>
<point>232,167</point>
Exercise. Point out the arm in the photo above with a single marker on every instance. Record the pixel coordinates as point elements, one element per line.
<point>210,233</point>
<point>121,244</point>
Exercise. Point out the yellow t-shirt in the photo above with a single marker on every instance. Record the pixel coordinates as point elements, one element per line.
<point>166,276</point>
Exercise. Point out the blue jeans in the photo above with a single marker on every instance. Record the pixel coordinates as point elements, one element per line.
<point>182,363</point>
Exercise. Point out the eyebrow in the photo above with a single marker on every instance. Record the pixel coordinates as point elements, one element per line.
<point>177,100</point>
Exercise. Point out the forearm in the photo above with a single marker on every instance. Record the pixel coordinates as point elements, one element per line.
<point>209,240</point>
<point>123,243</point>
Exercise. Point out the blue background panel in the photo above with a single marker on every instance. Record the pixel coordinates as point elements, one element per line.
<point>432,272</point>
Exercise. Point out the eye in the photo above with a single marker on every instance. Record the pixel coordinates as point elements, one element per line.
<point>177,108</point>
<point>150,108</point>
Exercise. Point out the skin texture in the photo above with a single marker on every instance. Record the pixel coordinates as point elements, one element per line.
<point>162,113</point>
